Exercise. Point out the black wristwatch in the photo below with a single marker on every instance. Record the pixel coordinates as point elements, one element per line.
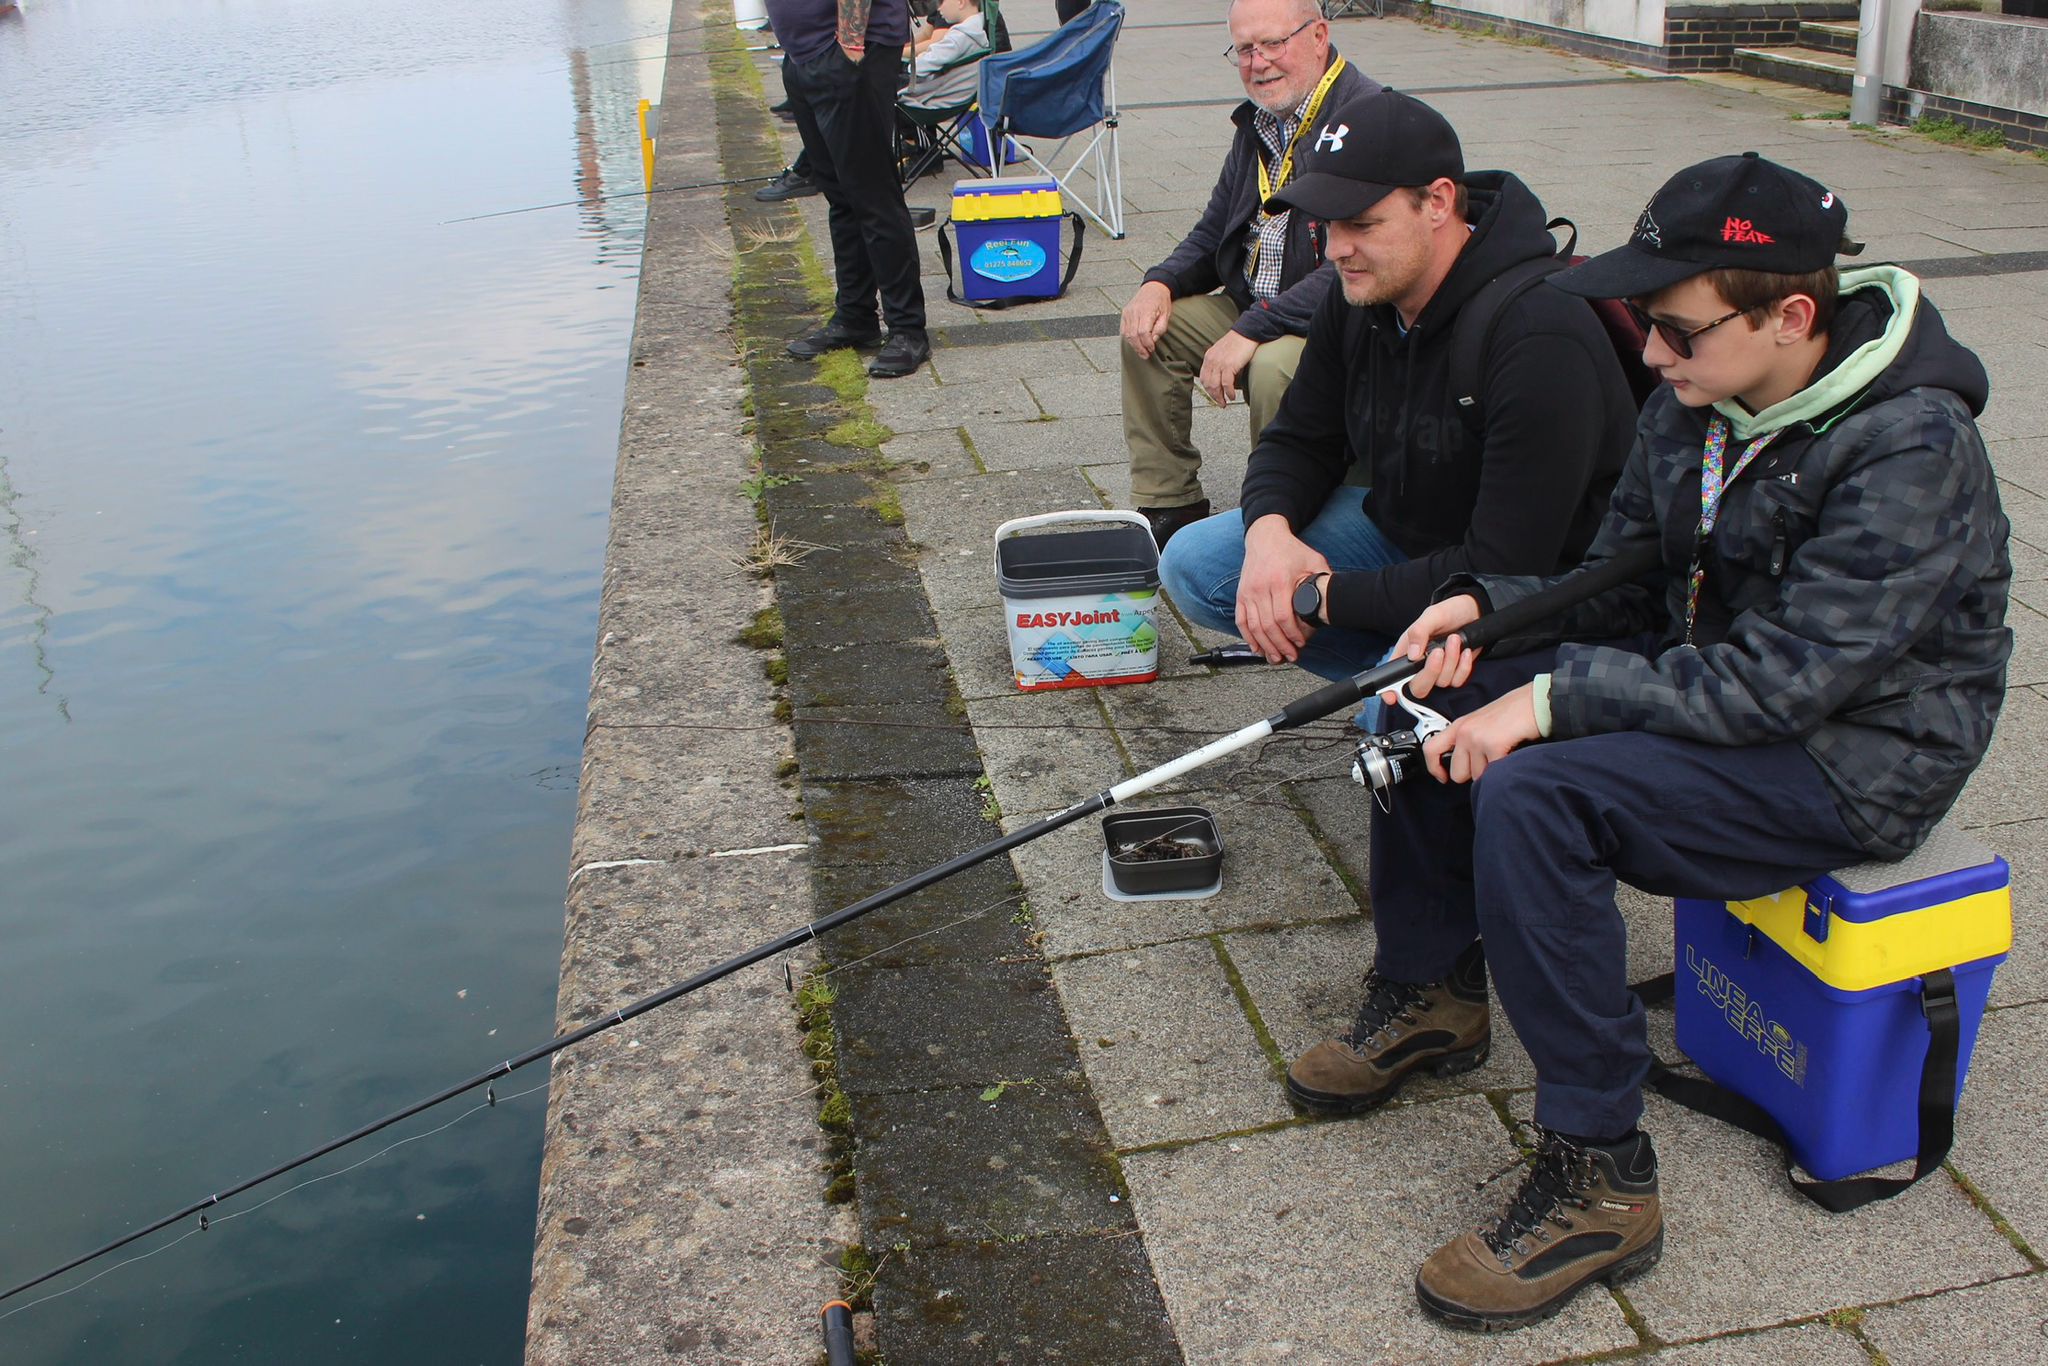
<point>1308,599</point>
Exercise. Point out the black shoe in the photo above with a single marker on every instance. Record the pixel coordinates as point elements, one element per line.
<point>922,218</point>
<point>1166,521</point>
<point>831,337</point>
<point>901,354</point>
<point>790,184</point>
<point>782,108</point>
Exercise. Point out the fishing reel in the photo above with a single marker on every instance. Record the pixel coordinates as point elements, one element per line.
<point>1384,760</point>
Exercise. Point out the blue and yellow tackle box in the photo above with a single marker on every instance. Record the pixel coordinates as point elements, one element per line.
<point>1809,1002</point>
<point>1009,234</point>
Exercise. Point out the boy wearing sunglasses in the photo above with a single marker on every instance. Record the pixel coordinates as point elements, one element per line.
<point>1804,682</point>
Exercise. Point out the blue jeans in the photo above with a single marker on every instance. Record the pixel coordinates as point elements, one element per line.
<point>1526,860</point>
<point>1201,565</point>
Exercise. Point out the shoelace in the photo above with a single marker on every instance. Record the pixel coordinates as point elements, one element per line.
<point>1559,1172</point>
<point>1385,1002</point>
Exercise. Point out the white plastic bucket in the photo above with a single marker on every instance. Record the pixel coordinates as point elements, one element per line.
<point>1081,606</point>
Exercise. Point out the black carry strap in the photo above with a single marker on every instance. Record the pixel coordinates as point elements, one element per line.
<point>1937,1099</point>
<point>1472,330</point>
<point>991,305</point>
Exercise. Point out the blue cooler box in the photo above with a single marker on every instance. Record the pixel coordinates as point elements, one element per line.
<point>1808,1002</point>
<point>1009,234</point>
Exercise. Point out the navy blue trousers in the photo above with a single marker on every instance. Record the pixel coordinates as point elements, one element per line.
<point>1527,858</point>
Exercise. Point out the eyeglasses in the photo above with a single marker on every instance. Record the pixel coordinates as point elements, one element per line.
<point>1270,49</point>
<point>1679,340</point>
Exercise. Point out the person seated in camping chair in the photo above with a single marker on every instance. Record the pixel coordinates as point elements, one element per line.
<point>1802,681</point>
<point>961,32</point>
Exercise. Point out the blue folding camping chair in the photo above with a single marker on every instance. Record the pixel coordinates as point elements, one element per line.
<point>1064,87</point>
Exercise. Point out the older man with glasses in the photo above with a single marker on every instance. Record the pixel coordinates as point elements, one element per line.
<point>1230,306</point>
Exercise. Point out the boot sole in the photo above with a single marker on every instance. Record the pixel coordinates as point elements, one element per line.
<point>1329,1103</point>
<point>1479,1321</point>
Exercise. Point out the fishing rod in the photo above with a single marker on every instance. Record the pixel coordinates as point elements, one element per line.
<point>1487,630</point>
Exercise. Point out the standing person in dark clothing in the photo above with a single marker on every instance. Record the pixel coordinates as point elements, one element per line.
<point>840,69</point>
<point>1519,489</point>
<point>1067,9</point>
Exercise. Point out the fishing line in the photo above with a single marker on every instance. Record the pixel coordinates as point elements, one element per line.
<point>622,194</point>
<point>206,1224</point>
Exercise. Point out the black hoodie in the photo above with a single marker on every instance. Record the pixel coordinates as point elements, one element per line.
<point>1525,497</point>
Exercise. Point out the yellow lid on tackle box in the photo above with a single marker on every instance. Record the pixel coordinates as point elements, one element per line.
<point>1950,902</point>
<point>982,201</point>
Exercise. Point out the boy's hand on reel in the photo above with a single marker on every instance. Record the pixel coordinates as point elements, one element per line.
<point>1483,737</point>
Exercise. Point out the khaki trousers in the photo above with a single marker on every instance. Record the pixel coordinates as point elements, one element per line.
<point>1158,412</point>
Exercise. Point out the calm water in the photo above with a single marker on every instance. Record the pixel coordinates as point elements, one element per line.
<point>302,509</point>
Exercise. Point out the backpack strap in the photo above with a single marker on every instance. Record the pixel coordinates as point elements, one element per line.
<point>993,305</point>
<point>1937,1099</point>
<point>1472,330</point>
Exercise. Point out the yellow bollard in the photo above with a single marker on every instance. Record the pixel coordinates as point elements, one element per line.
<point>646,146</point>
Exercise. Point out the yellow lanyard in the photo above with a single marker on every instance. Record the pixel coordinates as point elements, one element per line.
<point>1267,184</point>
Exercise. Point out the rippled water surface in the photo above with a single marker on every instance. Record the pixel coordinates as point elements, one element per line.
<point>302,508</point>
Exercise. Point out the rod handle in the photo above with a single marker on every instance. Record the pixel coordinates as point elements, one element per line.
<point>838,1317</point>
<point>1569,591</point>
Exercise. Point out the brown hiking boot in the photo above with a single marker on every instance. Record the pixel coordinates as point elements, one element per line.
<point>1403,1027</point>
<point>1583,1214</point>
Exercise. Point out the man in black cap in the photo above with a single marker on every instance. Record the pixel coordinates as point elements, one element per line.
<point>1803,682</point>
<point>1313,570</point>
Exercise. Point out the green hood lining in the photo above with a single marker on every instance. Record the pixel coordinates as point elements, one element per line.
<point>1858,370</point>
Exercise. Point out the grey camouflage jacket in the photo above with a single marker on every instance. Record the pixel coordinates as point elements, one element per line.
<point>1856,581</point>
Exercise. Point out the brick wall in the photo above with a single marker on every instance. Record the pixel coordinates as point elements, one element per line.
<point>2026,131</point>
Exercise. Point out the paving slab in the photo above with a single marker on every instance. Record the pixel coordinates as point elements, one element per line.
<point>2001,1324</point>
<point>2001,1119</point>
<point>987,1301</point>
<point>937,454</point>
<point>946,1025</point>
<point>852,744</point>
<point>916,405</point>
<point>1046,750</point>
<point>1812,1344</point>
<point>1168,1051</point>
<point>1743,1250</point>
<point>1271,875</point>
<point>1301,1244</point>
<point>1054,443</point>
<point>953,523</point>
<point>1035,1174</point>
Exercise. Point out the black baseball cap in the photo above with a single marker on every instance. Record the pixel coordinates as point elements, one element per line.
<point>1743,212</point>
<point>1365,150</point>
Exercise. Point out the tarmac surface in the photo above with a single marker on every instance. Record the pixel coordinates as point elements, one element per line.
<point>1217,1225</point>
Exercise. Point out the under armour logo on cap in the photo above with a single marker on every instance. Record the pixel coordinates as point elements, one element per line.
<point>1333,138</point>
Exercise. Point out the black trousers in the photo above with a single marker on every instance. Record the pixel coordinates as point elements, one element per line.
<point>1526,859</point>
<point>846,115</point>
<point>1067,9</point>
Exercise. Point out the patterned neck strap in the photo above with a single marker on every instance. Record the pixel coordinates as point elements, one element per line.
<point>1713,483</point>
